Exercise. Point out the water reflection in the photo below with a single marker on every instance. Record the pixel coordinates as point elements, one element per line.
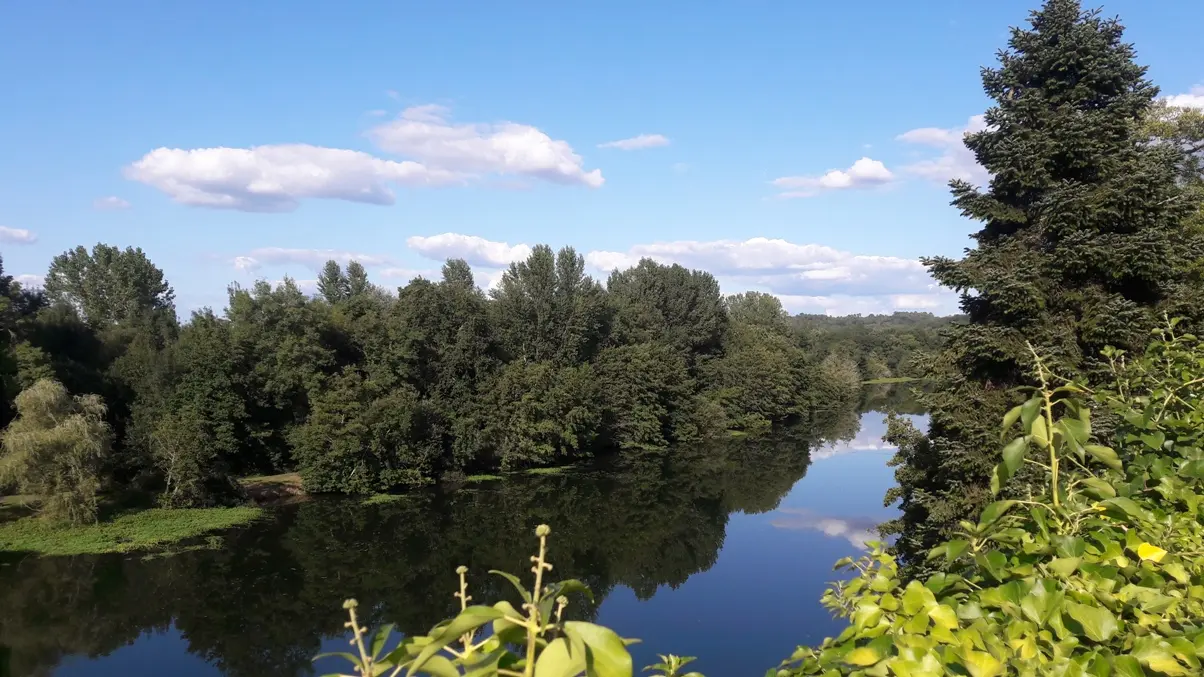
<point>646,533</point>
<point>264,604</point>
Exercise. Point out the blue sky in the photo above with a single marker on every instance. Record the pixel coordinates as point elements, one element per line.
<point>243,140</point>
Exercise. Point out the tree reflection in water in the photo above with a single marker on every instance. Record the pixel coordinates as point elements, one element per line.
<point>263,603</point>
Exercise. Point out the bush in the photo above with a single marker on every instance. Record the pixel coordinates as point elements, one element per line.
<point>54,450</point>
<point>1101,573</point>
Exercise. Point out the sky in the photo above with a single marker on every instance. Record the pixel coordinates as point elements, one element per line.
<point>797,148</point>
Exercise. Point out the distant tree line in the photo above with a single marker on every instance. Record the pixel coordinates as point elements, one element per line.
<point>364,390</point>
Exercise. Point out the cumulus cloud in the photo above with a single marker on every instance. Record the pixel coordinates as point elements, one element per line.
<point>864,173</point>
<point>276,178</point>
<point>938,301</point>
<point>311,258</point>
<point>17,235</point>
<point>954,161</point>
<point>1193,99</point>
<point>29,281</point>
<point>858,531</point>
<point>638,142</point>
<point>477,251</point>
<point>806,277</point>
<point>473,149</point>
<point>110,203</point>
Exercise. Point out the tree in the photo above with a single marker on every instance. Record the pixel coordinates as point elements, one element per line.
<point>680,307</point>
<point>54,450</point>
<point>110,286</point>
<point>1084,243</point>
<point>547,308</point>
<point>357,280</point>
<point>332,283</point>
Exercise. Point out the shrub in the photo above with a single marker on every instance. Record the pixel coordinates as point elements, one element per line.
<point>1101,573</point>
<point>54,450</point>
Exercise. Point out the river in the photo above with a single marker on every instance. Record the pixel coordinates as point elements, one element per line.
<point>720,553</point>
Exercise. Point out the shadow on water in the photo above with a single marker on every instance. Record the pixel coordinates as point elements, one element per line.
<point>266,601</point>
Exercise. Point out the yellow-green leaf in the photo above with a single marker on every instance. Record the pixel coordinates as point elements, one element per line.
<point>863,656</point>
<point>1150,552</point>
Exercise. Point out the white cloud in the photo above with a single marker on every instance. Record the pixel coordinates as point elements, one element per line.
<point>474,149</point>
<point>864,173</point>
<point>939,302</point>
<point>1193,99</point>
<point>17,235</point>
<point>311,258</point>
<point>857,531</point>
<point>29,281</point>
<point>477,251</point>
<point>638,142</point>
<point>276,178</point>
<point>110,203</point>
<point>806,277</point>
<point>955,161</point>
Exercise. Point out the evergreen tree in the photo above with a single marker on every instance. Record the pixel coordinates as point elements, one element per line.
<point>357,280</point>
<point>332,283</point>
<point>1083,244</point>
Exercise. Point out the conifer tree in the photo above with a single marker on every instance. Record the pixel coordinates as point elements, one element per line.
<point>1084,243</point>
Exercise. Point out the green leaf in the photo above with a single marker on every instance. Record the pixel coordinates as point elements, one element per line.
<point>1098,487</point>
<point>1028,413</point>
<point>1013,454</point>
<point>568,586</point>
<point>557,660</point>
<point>380,638</point>
<point>355,660</point>
<point>1104,455</point>
<point>1127,666</point>
<point>1098,623</point>
<point>439,666</point>
<point>606,655</point>
<point>1009,420</point>
<point>1075,430</point>
<point>518,585</point>
<point>864,656</point>
<point>1127,506</point>
<point>943,616</point>
<point>1040,432</point>
<point>992,513</point>
<point>981,664</point>
<point>1154,440</point>
<point>468,620</point>
<point>999,477</point>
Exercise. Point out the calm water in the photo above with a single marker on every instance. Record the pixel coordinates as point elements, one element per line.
<point>721,554</point>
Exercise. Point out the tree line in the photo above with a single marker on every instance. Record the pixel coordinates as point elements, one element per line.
<point>361,389</point>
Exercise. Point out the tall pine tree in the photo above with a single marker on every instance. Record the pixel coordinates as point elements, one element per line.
<point>1083,244</point>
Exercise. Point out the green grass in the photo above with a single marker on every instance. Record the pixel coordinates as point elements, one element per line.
<point>556,470</point>
<point>379,499</point>
<point>892,379</point>
<point>143,530</point>
<point>482,478</point>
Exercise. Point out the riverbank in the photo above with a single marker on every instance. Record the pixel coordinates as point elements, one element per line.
<point>143,530</point>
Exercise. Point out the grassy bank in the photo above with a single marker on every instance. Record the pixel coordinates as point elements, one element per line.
<point>144,530</point>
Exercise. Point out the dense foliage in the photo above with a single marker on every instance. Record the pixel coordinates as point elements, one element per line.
<point>1089,234</point>
<point>361,390</point>
<point>1098,572</point>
